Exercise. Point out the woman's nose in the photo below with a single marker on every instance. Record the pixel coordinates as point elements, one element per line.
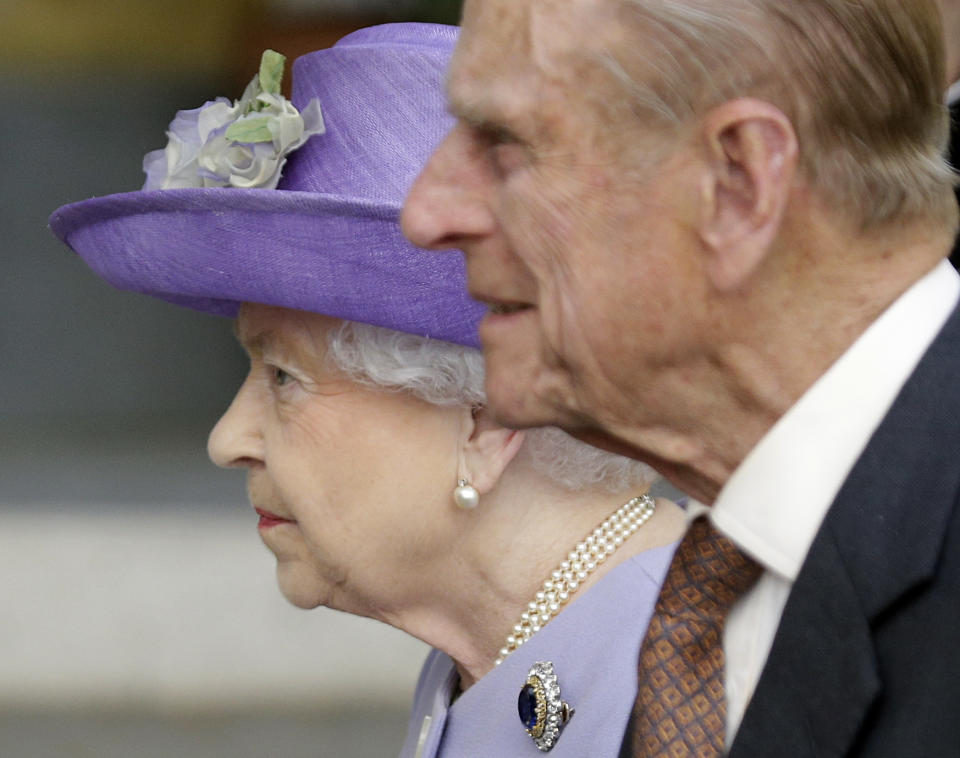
<point>236,439</point>
<point>447,205</point>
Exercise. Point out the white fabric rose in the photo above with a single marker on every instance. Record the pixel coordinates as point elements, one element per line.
<point>241,145</point>
<point>176,166</point>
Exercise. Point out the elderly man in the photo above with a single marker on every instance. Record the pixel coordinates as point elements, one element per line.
<point>951,26</point>
<point>712,233</point>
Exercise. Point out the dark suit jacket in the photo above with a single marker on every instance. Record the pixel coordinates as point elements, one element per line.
<point>866,662</point>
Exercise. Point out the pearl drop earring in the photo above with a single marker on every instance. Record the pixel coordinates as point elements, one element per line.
<point>465,495</point>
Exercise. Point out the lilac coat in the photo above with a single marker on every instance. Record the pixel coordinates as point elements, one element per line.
<point>593,644</point>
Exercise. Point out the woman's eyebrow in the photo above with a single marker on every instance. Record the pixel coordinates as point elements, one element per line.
<point>254,341</point>
<point>272,343</point>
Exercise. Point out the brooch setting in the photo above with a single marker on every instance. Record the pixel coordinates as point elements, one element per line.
<point>541,710</point>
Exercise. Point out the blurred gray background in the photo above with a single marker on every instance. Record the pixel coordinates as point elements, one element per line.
<point>138,611</point>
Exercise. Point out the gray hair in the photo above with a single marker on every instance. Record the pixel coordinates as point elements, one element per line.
<point>861,82</point>
<point>442,373</point>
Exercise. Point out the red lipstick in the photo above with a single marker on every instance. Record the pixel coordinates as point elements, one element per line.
<point>269,520</point>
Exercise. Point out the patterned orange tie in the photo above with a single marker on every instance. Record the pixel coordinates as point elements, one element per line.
<point>680,708</point>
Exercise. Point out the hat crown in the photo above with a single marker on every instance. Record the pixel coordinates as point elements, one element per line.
<point>327,239</point>
<point>381,93</point>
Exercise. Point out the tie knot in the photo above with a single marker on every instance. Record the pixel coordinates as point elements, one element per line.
<point>709,572</point>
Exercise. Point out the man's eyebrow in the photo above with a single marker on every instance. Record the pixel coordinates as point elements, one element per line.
<point>468,106</point>
<point>482,113</point>
<point>467,112</point>
<point>478,118</point>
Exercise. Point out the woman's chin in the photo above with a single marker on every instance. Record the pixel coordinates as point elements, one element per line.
<point>301,588</point>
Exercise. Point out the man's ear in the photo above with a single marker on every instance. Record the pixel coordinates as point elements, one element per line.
<point>488,450</point>
<point>752,155</point>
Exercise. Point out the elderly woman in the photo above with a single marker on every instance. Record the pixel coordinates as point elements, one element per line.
<point>529,561</point>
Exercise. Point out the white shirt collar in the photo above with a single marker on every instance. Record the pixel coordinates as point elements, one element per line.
<point>774,503</point>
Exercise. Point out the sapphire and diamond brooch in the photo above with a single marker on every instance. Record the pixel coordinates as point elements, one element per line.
<point>541,710</point>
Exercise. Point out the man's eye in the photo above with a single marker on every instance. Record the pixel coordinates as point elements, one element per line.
<point>503,149</point>
<point>508,157</point>
<point>280,377</point>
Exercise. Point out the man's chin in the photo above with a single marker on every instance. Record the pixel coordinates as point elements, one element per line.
<point>514,403</point>
<point>522,389</point>
<point>516,418</point>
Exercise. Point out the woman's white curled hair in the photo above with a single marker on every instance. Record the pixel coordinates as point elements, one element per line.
<point>442,373</point>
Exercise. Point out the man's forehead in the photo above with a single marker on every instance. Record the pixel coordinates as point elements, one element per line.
<point>492,34</point>
<point>510,51</point>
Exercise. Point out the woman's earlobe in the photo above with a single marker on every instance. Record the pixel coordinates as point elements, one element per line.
<point>465,495</point>
<point>488,451</point>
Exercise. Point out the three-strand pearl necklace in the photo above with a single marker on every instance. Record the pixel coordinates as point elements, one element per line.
<point>580,563</point>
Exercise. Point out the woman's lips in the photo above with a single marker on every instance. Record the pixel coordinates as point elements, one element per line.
<point>269,520</point>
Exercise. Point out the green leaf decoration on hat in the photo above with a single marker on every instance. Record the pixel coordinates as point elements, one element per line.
<point>271,71</point>
<point>266,82</point>
<point>250,130</point>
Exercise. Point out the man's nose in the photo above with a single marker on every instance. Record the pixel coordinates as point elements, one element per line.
<point>449,203</point>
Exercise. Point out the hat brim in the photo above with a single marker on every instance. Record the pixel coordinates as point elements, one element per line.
<point>213,249</point>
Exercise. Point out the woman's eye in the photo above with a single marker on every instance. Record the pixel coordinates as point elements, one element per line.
<point>280,377</point>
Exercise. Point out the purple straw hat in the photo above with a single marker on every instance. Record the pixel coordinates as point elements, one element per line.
<point>327,239</point>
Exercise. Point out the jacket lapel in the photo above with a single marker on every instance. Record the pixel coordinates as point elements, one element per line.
<point>882,538</point>
<point>821,676</point>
